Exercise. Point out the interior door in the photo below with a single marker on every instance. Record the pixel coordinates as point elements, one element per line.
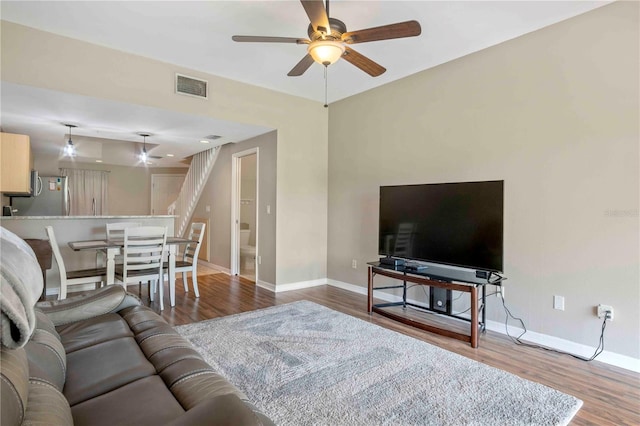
<point>164,191</point>
<point>244,257</point>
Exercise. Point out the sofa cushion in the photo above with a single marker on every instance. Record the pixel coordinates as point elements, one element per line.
<point>199,388</point>
<point>104,367</point>
<point>46,406</point>
<point>47,359</point>
<point>224,410</point>
<point>91,304</point>
<point>14,386</point>
<point>145,401</point>
<point>43,322</point>
<point>82,334</point>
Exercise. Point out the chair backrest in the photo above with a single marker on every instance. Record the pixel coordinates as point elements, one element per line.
<point>191,250</point>
<point>56,253</point>
<point>115,231</point>
<point>144,248</point>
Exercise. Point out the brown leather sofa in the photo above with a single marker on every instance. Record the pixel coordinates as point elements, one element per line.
<point>100,359</point>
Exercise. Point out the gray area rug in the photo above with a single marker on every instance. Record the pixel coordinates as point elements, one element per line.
<point>302,364</point>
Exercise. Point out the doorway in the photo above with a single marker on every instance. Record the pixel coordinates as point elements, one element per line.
<point>244,214</point>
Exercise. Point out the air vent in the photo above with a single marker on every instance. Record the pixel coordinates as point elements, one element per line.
<point>190,86</point>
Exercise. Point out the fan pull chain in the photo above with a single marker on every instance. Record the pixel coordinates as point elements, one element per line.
<point>326,102</point>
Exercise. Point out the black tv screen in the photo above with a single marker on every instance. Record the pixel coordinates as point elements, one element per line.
<point>457,224</point>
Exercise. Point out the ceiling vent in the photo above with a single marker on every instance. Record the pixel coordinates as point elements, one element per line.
<point>190,86</point>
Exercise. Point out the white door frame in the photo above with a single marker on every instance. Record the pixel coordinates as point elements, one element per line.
<point>235,209</point>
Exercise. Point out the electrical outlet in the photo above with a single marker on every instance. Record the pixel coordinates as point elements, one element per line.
<point>602,311</point>
<point>259,260</point>
<point>558,303</point>
<point>500,291</point>
<point>354,264</point>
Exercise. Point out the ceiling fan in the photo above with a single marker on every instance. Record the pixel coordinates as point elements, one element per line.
<point>328,39</point>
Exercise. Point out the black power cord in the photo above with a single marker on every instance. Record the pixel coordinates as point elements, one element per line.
<point>519,342</point>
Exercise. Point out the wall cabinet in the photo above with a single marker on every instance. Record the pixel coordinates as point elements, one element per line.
<point>15,163</point>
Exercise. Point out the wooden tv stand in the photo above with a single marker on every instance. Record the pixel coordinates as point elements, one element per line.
<point>420,278</point>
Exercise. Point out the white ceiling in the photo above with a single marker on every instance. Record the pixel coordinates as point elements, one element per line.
<point>197,35</point>
<point>109,130</point>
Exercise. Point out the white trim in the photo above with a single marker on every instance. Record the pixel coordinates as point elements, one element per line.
<point>611,358</point>
<point>607,357</point>
<point>235,210</point>
<point>214,266</point>
<point>279,288</point>
<point>266,286</point>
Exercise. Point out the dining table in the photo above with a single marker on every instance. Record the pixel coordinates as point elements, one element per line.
<point>113,247</point>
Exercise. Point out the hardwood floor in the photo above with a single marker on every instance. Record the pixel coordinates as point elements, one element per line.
<point>611,395</point>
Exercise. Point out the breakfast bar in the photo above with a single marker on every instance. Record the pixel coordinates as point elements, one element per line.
<point>75,228</point>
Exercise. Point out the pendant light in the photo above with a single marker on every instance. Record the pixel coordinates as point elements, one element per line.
<point>69,149</point>
<point>143,156</point>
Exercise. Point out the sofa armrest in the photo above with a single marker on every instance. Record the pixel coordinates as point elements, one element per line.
<point>88,305</point>
<point>223,410</point>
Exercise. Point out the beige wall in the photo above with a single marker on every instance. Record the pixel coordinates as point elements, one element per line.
<point>217,195</point>
<point>553,113</point>
<point>129,187</point>
<point>44,60</point>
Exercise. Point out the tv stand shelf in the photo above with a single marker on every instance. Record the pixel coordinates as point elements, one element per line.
<point>422,278</point>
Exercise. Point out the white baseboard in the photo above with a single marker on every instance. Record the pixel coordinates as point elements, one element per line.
<point>299,285</point>
<point>585,351</point>
<point>267,286</point>
<point>607,357</point>
<point>214,266</point>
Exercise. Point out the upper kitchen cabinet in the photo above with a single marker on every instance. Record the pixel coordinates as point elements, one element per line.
<point>15,163</point>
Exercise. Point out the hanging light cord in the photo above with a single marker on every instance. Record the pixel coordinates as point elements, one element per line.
<point>326,102</point>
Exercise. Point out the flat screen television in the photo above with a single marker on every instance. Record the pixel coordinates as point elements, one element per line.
<point>459,224</point>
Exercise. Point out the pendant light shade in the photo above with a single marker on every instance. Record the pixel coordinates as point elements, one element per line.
<point>143,155</point>
<point>326,52</point>
<point>69,149</point>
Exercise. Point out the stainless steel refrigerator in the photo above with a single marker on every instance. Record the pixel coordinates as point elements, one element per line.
<point>50,199</point>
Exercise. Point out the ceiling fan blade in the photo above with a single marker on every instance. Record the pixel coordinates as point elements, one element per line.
<point>261,39</point>
<point>301,66</point>
<point>362,62</point>
<point>385,32</point>
<point>317,15</point>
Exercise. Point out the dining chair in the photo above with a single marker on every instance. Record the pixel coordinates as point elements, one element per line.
<point>67,278</point>
<point>143,253</point>
<point>189,262</point>
<point>114,231</point>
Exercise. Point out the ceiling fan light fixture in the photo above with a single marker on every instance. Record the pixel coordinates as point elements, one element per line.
<point>326,52</point>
